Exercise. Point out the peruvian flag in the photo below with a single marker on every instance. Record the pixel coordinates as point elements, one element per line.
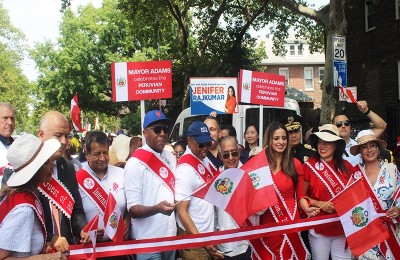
<point>362,226</point>
<point>232,191</point>
<point>348,94</point>
<point>76,114</point>
<point>258,170</point>
<point>91,228</point>
<point>396,201</point>
<point>113,221</point>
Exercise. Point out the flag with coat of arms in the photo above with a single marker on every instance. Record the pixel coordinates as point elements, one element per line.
<point>361,223</point>
<point>113,220</point>
<point>232,191</point>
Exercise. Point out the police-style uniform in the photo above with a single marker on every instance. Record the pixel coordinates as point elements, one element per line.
<point>302,152</point>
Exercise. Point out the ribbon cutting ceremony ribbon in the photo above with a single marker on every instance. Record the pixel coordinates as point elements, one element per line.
<point>198,240</point>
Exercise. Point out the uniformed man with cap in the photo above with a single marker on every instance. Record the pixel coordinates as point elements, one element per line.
<point>301,151</point>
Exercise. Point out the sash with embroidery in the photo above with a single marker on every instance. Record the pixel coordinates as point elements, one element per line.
<point>93,189</point>
<point>282,213</point>
<point>198,166</point>
<point>259,250</point>
<point>157,166</point>
<point>327,175</point>
<point>16,199</point>
<point>392,243</point>
<point>59,195</point>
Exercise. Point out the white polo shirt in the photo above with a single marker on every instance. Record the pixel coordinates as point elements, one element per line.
<point>113,180</point>
<point>187,181</point>
<point>352,159</point>
<point>144,187</point>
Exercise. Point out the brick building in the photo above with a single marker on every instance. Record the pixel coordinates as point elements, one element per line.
<point>302,70</point>
<point>373,60</point>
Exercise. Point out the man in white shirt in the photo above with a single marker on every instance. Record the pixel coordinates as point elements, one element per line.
<point>194,214</point>
<point>7,127</point>
<point>342,122</point>
<point>230,155</point>
<point>149,185</point>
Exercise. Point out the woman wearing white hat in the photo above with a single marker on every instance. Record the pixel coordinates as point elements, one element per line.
<point>383,178</point>
<point>325,175</point>
<point>22,228</point>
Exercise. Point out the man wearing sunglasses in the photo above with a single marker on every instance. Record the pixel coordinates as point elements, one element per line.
<point>342,122</point>
<point>149,185</point>
<point>229,154</point>
<point>293,124</point>
<point>193,170</point>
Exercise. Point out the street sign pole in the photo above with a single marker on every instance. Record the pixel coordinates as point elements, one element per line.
<point>339,66</point>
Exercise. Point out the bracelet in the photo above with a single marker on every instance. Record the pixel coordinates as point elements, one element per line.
<point>366,113</point>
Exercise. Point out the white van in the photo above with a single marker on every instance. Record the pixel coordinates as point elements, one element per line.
<point>247,114</point>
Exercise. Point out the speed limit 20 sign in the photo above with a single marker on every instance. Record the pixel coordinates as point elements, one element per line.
<point>339,47</point>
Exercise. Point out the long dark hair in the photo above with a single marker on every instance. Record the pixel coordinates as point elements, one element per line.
<point>246,144</point>
<point>287,162</point>
<point>234,94</point>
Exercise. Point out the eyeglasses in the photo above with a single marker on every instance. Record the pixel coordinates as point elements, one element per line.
<point>228,154</point>
<point>202,145</point>
<point>341,123</point>
<point>157,129</point>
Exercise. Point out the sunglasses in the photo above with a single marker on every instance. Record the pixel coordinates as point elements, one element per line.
<point>202,145</point>
<point>179,154</point>
<point>294,131</point>
<point>234,154</point>
<point>341,123</point>
<point>157,129</point>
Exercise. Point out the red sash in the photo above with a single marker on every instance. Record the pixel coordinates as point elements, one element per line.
<point>93,189</point>
<point>59,195</point>
<point>392,242</point>
<point>157,166</point>
<point>15,199</point>
<point>327,175</point>
<point>198,166</point>
<point>292,242</point>
<point>259,249</point>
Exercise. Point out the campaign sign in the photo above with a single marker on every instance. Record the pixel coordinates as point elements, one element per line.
<point>262,88</point>
<point>339,73</point>
<point>141,80</point>
<point>213,94</point>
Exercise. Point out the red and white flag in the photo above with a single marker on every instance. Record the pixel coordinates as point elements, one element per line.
<point>76,114</point>
<point>348,95</point>
<point>113,220</point>
<point>258,170</point>
<point>91,228</point>
<point>232,191</point>
<point>361,223</point>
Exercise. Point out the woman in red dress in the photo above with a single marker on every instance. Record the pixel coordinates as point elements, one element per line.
<point>287,175</point>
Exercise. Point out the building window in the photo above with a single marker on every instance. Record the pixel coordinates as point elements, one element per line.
<point>321,71</point>
<point>397,9</point>
<point>285,72</point>
<point>308,78</point>
<point>370,15</point>
<point>300,49</point>
<point>292,49</point>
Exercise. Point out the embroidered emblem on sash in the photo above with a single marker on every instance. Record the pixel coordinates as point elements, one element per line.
<point>88,183</point>
<point>319,166</point>
<point>163,172</point>
<point>201,169</point>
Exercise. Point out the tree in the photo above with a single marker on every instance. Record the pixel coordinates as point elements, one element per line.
<point>14,86</point>
<point>333,21</point>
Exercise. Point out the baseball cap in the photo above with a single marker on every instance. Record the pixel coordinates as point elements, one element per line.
<point>155,116</point>
<point>199,131</point>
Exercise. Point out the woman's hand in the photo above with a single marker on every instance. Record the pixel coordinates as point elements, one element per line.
<point>311,211</point>
<point>326,206</point>
<point>393,212</point>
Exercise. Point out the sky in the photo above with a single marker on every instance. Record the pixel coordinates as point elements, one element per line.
<point>40,19</point>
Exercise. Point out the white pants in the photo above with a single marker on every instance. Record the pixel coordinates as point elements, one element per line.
<point>322,246</point>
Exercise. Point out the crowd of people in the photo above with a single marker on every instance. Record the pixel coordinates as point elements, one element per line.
<point>152,183</point>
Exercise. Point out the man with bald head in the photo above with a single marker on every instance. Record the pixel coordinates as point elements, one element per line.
<point>7,127</point>
<point>54,125</point>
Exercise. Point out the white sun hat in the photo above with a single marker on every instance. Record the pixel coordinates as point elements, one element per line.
<point>328,133</point>
<point>366,136</point>
<point>26,155</point>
